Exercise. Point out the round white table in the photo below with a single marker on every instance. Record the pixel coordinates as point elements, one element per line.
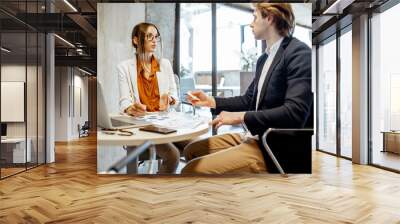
<point>139,137</point>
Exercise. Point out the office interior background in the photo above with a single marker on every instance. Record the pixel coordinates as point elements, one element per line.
<point>54,57</point>
<point>49,73</point>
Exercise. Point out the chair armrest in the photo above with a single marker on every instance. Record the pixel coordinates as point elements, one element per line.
<point>283,131</point>
<point>186,103</point>
<point>289,130</point>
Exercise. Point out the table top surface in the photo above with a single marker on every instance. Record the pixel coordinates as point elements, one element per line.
<point>139,137</point>
<point>391,132</point>
<point>13,140</point>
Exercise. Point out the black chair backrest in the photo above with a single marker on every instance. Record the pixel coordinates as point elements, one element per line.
<point>86,125</point>
<point>293,149</point>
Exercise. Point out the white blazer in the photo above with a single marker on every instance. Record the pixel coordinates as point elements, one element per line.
<point>127,79</point>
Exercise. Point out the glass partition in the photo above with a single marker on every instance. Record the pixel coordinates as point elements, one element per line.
<point>346,94</point>
<point>22,88</point>
<point>385,89</point>
<point>14,148</point>
<point>327,96</point>
<point>195,49</point>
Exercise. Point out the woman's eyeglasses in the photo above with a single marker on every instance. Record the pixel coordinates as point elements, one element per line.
<point>151,37</point>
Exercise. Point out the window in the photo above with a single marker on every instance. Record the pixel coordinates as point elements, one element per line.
<point>195,48</point>
<point>23,73</point>
<point>385,88</point>
<point>237,50</point>
<point>346,93</point>
<point>327,96</point>
<point>303,34</point>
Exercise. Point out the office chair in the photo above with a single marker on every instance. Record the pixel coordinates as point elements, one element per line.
<point>84,130</point>
<point>116,167</point>
<point>289,150</point>
<point>184,85</point>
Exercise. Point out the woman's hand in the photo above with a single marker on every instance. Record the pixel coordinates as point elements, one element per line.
<point>199,98</point>
<point>164,102</point>
<point>136,109</point>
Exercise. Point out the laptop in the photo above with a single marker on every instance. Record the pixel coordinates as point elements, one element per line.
<point>116,122</point>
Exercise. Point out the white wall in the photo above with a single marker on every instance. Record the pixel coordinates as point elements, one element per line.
<point>163,16</point>
<point>69,84</point>
<point>14,73</point>
<point>17,73</point>
<point>33,127</point>
<point>61,104</point>
<point>115,22</point>
<point>79,117</point>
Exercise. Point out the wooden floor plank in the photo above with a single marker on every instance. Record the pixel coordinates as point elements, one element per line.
<point>70,191</point>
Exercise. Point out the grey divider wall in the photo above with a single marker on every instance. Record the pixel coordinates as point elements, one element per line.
<point>115,22</point>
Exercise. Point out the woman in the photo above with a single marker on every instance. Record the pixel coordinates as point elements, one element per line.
<point>147,84</point>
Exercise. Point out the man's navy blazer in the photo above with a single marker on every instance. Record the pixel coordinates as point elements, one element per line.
<point>286,99</point>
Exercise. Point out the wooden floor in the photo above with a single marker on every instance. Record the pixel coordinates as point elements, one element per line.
<point>10,171</point>
<point>387,159</point>
<point>70,191</point>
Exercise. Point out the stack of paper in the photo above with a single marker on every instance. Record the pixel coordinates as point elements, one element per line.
<point>175,120</point>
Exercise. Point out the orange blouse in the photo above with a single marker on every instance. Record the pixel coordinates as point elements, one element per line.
<point>148,88</point>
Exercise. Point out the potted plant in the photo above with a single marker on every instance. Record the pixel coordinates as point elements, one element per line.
<point>248,60</point>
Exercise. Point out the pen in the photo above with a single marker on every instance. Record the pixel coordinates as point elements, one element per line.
<point>193,96</point>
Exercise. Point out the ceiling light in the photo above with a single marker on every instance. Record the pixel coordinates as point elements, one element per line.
<point>5,50</point>
<point>64,40</point>
<point>338,6</point>
<point>70,5</point>
<point>84,71</point>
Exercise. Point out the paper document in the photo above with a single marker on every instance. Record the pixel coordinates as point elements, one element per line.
<point>175,120</point>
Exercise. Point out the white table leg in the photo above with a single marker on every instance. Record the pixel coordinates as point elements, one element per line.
<point>152,158</point>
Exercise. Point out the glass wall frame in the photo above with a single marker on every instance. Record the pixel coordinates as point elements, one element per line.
<point>345,92</point>
<point>327,99</point>
<point>384,87</point>
<point>23,60</point>
<point>338,145</point>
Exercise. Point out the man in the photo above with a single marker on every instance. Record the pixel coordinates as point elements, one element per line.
<point>279,97</point>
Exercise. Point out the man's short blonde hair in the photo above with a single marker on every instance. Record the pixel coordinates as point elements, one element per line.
<point>282,14</point>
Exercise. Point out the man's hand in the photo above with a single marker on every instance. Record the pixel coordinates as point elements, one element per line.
<point>136,109</point>
<point>228,118</point>
<point>199,98</point>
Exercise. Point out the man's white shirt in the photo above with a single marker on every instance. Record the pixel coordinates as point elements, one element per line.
<point>271,52</point>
